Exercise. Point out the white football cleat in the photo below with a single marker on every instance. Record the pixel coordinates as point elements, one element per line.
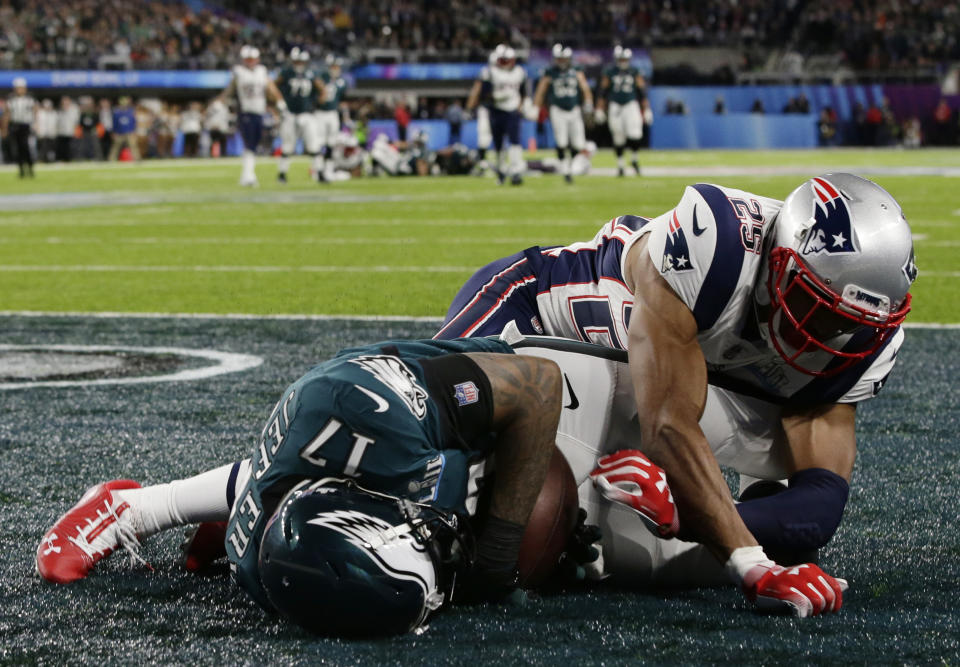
<point>89,532</point>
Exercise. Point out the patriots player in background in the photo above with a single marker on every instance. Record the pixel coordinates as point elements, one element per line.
<point>328,113</point>
<point>566,90</point>
<point>484,100</point>
<point>253,89</point>
<point>300,87</point>
<point>754,327</point>
<point>507,81</point>
<point>621,87</point>
<point>372,446</point>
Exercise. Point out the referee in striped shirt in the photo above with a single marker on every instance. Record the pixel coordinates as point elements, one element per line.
<point>19,122</point>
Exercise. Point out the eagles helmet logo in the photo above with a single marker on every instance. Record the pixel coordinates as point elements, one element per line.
<point>831,231</point>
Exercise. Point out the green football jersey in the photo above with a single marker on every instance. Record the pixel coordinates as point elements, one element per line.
<point>335,91</point>
<point>366,414</point>
<point>298,90</point>
<point>564,90</point>
<point>623,84</point>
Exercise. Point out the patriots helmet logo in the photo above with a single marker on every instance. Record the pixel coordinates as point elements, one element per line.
<point>831,231</point>
<point>676,252</point>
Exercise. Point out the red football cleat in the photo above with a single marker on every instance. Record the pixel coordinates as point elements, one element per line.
<point>89,532</point>
<point>204,545</point>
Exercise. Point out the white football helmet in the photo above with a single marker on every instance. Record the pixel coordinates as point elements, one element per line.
<point>839,264</point>
<point>622,56</point>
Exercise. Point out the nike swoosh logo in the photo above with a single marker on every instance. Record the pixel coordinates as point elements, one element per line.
<point>382,405</point>
<point>697,229</point>
<point>574,403</point>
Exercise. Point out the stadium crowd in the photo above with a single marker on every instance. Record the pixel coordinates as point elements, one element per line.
<point>865,34</point>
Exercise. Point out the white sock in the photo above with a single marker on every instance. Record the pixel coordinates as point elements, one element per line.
<point>248,173</point>
<point>516,159</point>
<point>317,164</point>
<point>500,161</point>
<point>565,165</point>
<point>283,166</point>
<point>204,497</point>
<point>620,162</point>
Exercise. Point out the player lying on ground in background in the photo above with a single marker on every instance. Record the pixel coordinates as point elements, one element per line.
<point>412,425</point>
<point>789,312</point>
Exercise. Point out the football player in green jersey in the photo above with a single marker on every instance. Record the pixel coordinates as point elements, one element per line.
<point>328,113</point>
<point>393,441</point>
<point>565,89</point>
<point>300,87</point>
<point>621,88</point>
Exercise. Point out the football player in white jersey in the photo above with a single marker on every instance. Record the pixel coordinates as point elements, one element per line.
<point>252,88</point>
<point>507,82</point>
<point>483,100</point>
<point>754,327</point>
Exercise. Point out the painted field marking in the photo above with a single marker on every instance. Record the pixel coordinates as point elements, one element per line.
<point>226,362</point>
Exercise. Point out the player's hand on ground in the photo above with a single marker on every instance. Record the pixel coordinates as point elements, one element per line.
<point>630,478</point>
<point>801,590</point>
<point>582,560</point>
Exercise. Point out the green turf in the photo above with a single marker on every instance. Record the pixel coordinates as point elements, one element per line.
<point>183,237</point>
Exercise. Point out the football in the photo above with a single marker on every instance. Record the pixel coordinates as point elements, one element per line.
<point>551,524</point>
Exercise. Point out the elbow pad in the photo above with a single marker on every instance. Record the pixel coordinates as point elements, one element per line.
<point>804,516</point>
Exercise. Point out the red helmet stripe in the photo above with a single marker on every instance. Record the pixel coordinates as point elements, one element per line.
<point>829,189</point>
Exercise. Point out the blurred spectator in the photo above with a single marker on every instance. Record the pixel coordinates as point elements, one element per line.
<point>191,123</point>
<point>124,129</point>
<point>165,123</point>
<point>943,128</point>
<point>827,127</point>
<point>454,116</point>
<point>757,106</point>
<point>46,132</point>
<point>68,117</point>
<point>217,122</point>
<point>912,133</point>
<point>106,127</point>
<point>720,105</point>
<point>402,115</point>
<point>89,120</point>
<point>144,133</point>
<point>873,124</point>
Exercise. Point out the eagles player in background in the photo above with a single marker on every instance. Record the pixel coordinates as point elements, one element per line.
<point>328,114</point>
<point>300,87</point>
<point>507,81</point>
<point>411,423</point>
<point>565,88</point>
<point>18,122</point>
<point>754,327</point>
<point>621,87</point>
<point>252,88</point>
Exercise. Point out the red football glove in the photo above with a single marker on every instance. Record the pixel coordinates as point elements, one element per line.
<point>628,477</point>
<point>803,590</point>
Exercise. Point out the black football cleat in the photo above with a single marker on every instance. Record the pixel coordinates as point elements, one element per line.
<point>281,178</point>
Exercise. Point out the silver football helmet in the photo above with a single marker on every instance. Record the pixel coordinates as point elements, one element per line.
<point>839,265</point>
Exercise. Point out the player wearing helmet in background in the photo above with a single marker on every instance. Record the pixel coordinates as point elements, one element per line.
<point>252,88</point>
<point>566,91</point>
<point>328,113</point>
<point>483,101</point>
<point>407,428</point>
<point>300,87</point>
<point>754,327</point>
<point>621,88</point>
<point>507,83</point>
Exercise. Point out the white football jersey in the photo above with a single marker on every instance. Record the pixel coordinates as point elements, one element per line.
<point>506,85</point>
<point>251,88</point>
<point>709,250</point>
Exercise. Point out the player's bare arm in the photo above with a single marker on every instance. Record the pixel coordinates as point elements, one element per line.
<point>603,92</point>
<point>274,96</point>
<point>822,437</point>
<point>670,382</point>
<point>541,91</point>
<point>474,96</point>
<point>527,401</point>
<point>585,90</point>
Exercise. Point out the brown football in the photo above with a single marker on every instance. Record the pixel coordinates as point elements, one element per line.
<point>551,524</point>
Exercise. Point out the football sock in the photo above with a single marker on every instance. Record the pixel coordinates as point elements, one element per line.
<point>516,159</point>
<point>248,173</point>
<point>565,166</point>
<point>284,165</point>
<point>620,161</point>
<point>317,165</point>
<point>203,497</point>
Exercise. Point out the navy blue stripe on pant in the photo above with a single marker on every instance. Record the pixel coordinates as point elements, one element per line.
<point>503,290</point>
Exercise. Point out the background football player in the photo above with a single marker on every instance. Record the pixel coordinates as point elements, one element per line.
<point>621,86</point>
<point>300,87</point>
<point>411,421</point>
<point>566,91</point>
<point>508,82</point>
<point>483,101</point>
<point>252,88</point>
<point>791,310</point>
<point>328,113</point>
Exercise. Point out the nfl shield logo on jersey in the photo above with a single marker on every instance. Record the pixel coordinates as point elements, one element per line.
<point>676,253</point>
<point>831,231</point>
<point>466,393</point>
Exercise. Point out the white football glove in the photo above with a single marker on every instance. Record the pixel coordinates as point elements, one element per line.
<point>530,110</point>
<point>802,590</point>
<point>628,477</point>
<point>599,117</point>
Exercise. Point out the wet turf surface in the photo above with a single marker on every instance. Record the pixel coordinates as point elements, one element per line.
<point>899,545</point>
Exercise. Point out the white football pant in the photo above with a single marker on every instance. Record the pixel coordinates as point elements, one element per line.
<point>625,122</point>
